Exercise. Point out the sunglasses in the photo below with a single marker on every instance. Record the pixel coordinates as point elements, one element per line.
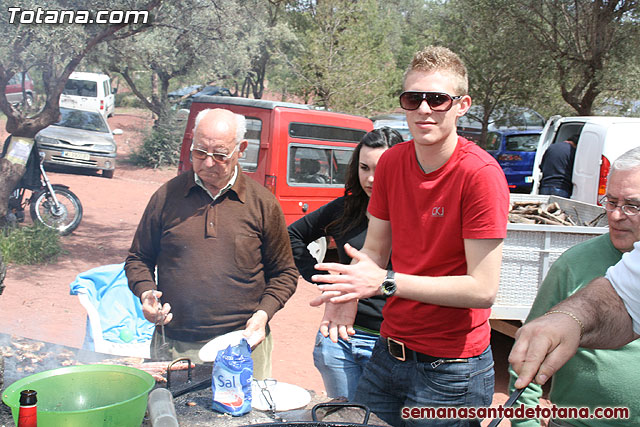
<point>438,101</point>
<point>200,154</point>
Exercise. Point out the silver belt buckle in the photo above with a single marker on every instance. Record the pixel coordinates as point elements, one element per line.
<point>401,344</point>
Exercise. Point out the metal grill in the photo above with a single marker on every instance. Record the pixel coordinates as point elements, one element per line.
<point>64,160</point>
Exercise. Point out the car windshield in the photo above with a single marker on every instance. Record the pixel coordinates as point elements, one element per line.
<point>85,120</point>
<point>81,88</point>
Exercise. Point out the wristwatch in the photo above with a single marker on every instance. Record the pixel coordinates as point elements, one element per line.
<point>388,287</point>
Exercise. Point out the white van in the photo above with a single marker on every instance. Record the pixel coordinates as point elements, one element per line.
<point>601,141</point>
<point>89,91</point>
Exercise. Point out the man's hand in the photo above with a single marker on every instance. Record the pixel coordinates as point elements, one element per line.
<point>153,310</point>
<point>361,279</point>
<point>255,330</point>
<point>543,346</point>
<point>338,320</point>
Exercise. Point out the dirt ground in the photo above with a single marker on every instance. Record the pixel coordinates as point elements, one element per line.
<point>36,302</point>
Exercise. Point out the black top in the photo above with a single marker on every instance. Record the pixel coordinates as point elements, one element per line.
<point>312,227</point>
<point>557,166</point>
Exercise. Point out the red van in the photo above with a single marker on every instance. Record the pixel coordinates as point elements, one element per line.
<point>298,152</point>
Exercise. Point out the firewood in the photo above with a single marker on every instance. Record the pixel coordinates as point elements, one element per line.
<point>553,218</point>
<point>519,219</point>
<point>553,207</point>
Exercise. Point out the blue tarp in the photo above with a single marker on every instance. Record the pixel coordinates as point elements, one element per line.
<point>119,309</point>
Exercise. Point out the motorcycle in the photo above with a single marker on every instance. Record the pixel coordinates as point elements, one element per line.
<point>53,205</point>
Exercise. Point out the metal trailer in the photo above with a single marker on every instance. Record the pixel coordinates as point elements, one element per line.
<point>528,252</point>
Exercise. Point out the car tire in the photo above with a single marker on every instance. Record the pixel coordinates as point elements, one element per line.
<point>108,173</point>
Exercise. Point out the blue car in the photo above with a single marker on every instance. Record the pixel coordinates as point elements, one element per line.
<point>515,151</point>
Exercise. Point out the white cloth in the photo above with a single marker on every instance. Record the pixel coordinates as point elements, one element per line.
<point>625,279</point>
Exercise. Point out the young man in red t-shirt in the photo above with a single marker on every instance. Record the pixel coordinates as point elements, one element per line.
<point>439,208</point>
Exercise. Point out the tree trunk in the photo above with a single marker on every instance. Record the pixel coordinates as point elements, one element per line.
<point>10,175</point>
<point>3,273</point>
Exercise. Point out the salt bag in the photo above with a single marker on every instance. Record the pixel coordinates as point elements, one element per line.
<point>231,379</point>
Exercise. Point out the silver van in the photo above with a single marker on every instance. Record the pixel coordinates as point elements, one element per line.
<point>89,91</point>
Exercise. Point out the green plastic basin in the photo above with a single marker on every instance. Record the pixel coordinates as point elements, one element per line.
<point>85,395</point>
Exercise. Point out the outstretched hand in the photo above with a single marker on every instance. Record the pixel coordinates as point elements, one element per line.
<point>542,347</point>
<point>348,282</point>
<point>337,321</point>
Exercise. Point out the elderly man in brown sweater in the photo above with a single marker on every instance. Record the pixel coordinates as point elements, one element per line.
<point>220,245</point>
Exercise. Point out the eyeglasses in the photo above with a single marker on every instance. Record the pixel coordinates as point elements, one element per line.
<point>629,210</point>
<point>438,101</point>
<point>200,154</point>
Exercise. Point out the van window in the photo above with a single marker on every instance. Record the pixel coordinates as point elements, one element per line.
<point>325,133</point>
<point>317,165</point>
<point>522,143</point>
<point>567,130</point>
<point>105,88</point>
<point>81,88</point>
<point>249,159</point>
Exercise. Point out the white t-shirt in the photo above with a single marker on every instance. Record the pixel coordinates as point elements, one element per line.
<point>625,279</point>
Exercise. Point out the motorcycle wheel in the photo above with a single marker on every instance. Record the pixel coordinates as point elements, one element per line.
<point>65,218</point>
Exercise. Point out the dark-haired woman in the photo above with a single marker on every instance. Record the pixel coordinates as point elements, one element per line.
<point>345,220</point>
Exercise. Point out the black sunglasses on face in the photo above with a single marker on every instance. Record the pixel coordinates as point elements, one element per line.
<point>438,101</point>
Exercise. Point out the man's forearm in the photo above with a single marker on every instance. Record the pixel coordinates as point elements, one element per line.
<point>602,313</point>
<point>375,256</point>
<point>140,276</point>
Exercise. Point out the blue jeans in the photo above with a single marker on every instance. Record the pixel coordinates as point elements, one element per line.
<point>554,191</point>
<point>341,364</point>
<point>387,385</point>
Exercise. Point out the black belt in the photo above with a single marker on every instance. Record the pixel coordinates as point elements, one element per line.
<point>401,352</point>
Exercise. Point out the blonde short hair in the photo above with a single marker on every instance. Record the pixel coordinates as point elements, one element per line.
<point>439,58</point>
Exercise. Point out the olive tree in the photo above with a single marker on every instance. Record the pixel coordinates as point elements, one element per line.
<point>208,41</point>
<point>590,44</point>
<point>342,58</point>
<point>266,23</point>
<point>52,42</point>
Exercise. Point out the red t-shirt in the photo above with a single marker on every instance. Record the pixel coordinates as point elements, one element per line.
<point>431,214</point>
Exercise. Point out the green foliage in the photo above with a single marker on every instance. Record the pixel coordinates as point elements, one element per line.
<point>210,40</point>
<point>589,45</point>
<point>342,58</point>
<point>162,146</point>
<point>30,245</point>
<point>128,100</point>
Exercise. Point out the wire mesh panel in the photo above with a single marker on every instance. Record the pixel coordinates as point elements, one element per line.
<point>530,249</point>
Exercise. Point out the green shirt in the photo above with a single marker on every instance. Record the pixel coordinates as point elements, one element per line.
<point>592,378</point>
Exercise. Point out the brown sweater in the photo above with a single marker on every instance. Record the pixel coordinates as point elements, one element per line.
<point>218,261</point>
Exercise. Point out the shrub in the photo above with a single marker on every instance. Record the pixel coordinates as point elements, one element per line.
<point>162,146</point>
<point>30,244</point>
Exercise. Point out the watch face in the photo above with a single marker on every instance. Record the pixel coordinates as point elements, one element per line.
<point>388,287</point>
